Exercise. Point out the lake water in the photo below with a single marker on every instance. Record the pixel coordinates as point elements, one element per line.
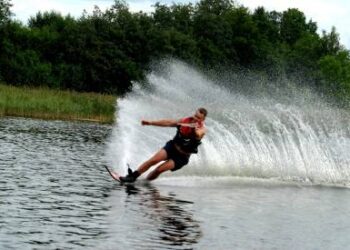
<point>56,194</point>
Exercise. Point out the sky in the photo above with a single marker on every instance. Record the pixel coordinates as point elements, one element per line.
<point>326,13</point>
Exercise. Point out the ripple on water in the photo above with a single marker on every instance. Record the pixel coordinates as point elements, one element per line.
<point>52,190</point>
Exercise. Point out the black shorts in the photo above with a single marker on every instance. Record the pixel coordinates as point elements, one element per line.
<point>179,159</point>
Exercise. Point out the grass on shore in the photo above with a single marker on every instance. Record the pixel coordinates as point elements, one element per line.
<point>45,103</point>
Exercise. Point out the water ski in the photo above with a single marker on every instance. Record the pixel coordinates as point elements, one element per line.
<point>114,174</point>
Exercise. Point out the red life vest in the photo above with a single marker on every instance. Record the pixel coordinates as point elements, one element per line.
<point>186,137</point>
<point>189,131</point>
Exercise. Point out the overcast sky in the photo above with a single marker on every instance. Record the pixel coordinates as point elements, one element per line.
<point>326,13</point>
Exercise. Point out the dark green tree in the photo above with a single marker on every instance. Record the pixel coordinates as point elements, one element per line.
<point>335,70</point>
<point>212,31</point>
<point>5,12</point>
<point>330,42</point>
<point>293,26</point>
<point>105,51</point>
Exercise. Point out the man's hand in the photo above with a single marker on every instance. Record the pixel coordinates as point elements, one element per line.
<point>144,123</point>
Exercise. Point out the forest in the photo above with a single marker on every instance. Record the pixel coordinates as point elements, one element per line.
<point>105,51</point>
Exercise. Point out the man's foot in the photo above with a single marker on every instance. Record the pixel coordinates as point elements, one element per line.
<point>127,179</point>
<point>131,177</point>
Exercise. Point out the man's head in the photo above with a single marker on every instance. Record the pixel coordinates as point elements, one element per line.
<point>200,114</point>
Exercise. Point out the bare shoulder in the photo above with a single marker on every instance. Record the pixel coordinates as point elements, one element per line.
<point>200,132</point>
<point>204,128</point>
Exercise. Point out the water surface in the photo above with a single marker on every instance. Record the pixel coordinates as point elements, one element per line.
<point>55,194</point>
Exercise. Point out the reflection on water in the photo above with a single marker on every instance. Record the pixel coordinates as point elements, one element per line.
<point>173,217</point>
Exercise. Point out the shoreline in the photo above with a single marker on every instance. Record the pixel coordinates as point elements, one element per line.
<point>51,104</point>
<point>59,118</point>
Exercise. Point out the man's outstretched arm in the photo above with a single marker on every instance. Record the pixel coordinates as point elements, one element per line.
<point>161,123</point>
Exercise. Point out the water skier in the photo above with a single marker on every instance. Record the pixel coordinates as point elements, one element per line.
<point>176,152</point>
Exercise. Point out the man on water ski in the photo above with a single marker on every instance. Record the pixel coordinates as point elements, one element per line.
<point>176,152</point>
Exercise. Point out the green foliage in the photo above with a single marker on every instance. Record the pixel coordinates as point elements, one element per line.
<point>104,51</point>
<point>330,43</point>
<point>5,12</point>
<point>293,26</point>
<point>335,70</point>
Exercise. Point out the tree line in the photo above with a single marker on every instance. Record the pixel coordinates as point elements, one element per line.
<point>104,51</point>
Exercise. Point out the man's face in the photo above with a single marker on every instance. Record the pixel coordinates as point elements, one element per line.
<point>199,117</point>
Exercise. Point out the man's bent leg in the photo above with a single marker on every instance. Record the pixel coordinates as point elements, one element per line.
<point>168,165</point>
<point>161,155</point>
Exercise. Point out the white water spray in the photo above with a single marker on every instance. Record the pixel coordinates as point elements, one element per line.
<point>288,137</point>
